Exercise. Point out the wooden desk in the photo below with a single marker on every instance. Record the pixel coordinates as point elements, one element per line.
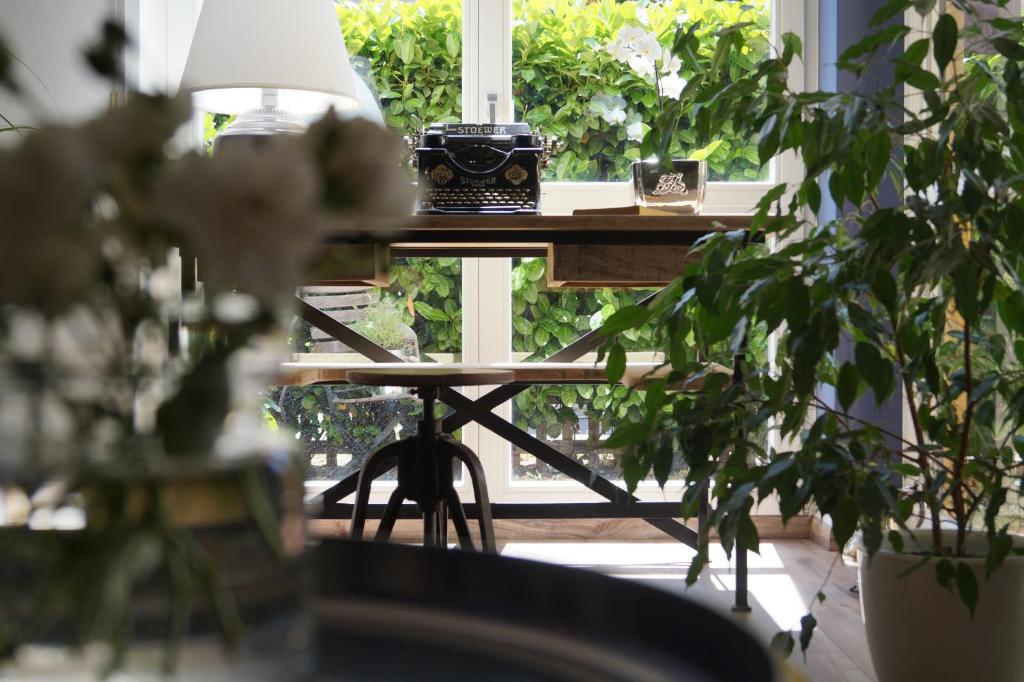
<point>582,251</point>
<point>637,242</point>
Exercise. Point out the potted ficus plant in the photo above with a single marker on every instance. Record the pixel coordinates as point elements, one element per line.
<point>140,498</point>
<point>911,294</point>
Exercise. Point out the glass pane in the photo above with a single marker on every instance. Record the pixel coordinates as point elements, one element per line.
<point>573,419</point>
<point>569,80</point>
<point>419,317</point>
<point>411,55</point>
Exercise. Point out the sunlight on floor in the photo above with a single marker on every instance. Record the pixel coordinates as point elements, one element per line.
<point>775,593</point>
<point>769,582</point>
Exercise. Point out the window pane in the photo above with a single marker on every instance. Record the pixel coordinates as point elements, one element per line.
<point>573,419</point>
<point>419,317</point>
<point>411,54</point>
<point>567,83</point>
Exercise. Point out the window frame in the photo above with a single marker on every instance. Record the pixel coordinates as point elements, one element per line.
<point>489,69</point>
<point>165,28</point>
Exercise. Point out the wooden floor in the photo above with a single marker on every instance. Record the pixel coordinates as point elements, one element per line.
<point>783,580</point>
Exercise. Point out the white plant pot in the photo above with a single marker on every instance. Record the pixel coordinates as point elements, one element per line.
<point>917,630</point>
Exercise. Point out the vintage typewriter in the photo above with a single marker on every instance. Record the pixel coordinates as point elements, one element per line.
<point>485,168</point>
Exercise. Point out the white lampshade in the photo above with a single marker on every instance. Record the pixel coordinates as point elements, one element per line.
<point>241,47</point>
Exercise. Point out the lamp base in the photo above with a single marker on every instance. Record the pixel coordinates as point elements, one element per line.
<point>257,127</point>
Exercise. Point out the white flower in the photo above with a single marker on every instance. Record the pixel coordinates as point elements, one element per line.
<point>631,35</point>
<point>635,131</point>
<point>672,86</point>
<point>611,108</point>
<point>641,16</point>
<point>619,50</point>
<point>649,48</point>
<point>615,116</point>
<point>670,63</point>
<point>641,65</point>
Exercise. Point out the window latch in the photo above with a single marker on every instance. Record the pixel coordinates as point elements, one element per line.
<point>492,107</point>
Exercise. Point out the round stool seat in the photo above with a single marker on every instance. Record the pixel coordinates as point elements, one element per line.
<point>430,377</point>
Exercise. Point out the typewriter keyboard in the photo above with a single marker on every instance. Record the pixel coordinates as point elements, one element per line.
<point>467,198</point>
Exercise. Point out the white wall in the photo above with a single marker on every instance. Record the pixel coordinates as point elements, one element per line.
<point>49,36</point>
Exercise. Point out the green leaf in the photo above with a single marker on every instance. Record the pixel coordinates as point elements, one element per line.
<point>625,318</point>
<point>944,40</point>
<point>875,369</point>
<point>429,312</point>
<point>807,625</point>
<point>844,519</point>
<point>967,586</point>
<point>883,286</point>
<point>626,434</point>
<point>522,325</point>
<point>452,44</point>
<point>616,366</point>
<point>1009,48</point>
<point>783,643</point>
<point>848,385</point>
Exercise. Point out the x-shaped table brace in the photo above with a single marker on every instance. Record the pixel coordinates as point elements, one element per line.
<point>466,410</point>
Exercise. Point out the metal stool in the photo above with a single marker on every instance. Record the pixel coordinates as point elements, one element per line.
<point>425,473</point>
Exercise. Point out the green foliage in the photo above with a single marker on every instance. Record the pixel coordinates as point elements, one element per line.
<point>926,283</point>
<point>429,292</point>
<point>415,55</point>
<point>546,320</point>
<point>382,323</point>
<point>560,65</point>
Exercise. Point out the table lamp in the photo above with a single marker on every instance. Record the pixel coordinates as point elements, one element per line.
<point>270,62</point>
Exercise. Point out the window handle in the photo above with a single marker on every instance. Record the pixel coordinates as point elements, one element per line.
<point>492,107</point>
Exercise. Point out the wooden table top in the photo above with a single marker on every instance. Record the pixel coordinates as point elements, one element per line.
<point>532,373</point>
<point>506,230</point>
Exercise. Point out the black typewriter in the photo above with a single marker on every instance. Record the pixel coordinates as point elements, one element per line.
<point>485,168</point>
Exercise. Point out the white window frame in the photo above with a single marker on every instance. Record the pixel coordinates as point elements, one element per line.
<point>487,295</point>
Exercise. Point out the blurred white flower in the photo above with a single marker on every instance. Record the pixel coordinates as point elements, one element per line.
<point>151,350</point>
<point>670,63</point>
<point>252,368</point>
<point>245,435</point>
<point>643,66</point>
<point>363,186</point>
<point>250,217</point>
<point>49,257</point>
<point>164,284</point>
<point>634,127</point>
<point>672,85</point>
<point>641,16</point>
<point>235,308</point>
<point>26,335</point>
